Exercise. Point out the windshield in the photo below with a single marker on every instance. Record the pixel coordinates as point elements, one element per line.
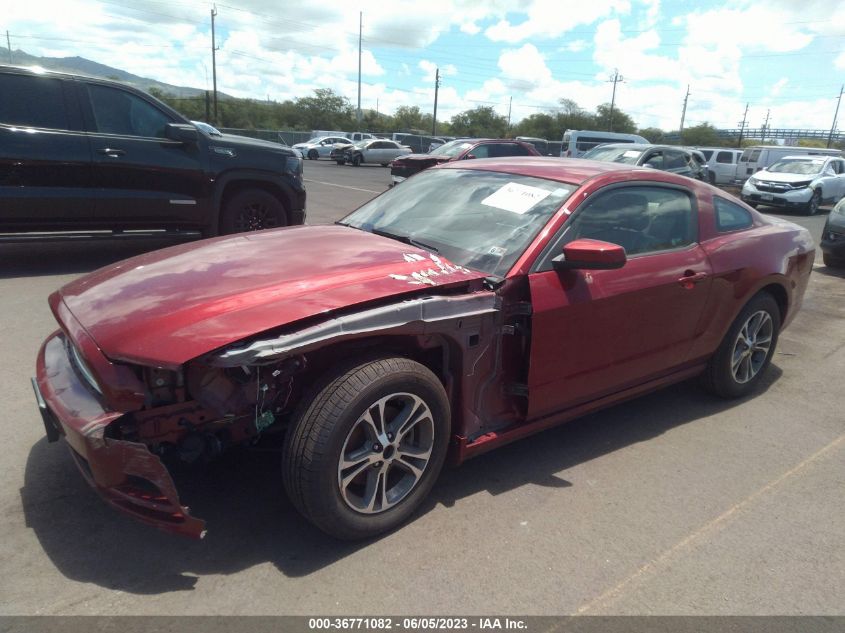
<point>797,166</point>
<point>478,219</point>
<point>614,154</point>
<point>452,148</point>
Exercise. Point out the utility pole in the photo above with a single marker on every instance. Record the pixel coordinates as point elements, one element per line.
<point>683,116</point>
<point>615,79</point>
<point>214,64</point>
<point>510,103</point>
<point>9,44</point>
<point>360,31</point>
<point>765,127</point>
<point>742,125</point>
<point>436,90</point>
<point>832,127</point>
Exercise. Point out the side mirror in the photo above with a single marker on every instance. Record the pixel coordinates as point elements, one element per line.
<point>590,255</point>
<point>182,132</point>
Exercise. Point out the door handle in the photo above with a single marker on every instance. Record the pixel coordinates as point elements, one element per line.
<point>110,151</point>
<point>691,278</point>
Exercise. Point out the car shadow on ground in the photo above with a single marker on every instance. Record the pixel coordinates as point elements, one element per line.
<point>250,521</point>
<point>830,271</point>
<point>75,257</point>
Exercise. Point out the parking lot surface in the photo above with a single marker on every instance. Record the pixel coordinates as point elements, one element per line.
<point>675,503</point>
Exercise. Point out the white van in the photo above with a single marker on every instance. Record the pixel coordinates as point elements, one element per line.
<point>721,163</point>
<point>576,142</point>
<point>759,157</point>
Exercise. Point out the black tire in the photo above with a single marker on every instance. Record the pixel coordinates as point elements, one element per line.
<point>712,178</point>
<point>326,423</point>
<point>830,260</point>
<point>815,202</point>
<point>356,160</point>
<point>385,164</point>
<point>313,154</point>
<point>252,210</point>
<point>720,376</point>
<point>340,162</point>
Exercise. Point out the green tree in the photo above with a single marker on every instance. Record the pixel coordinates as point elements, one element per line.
<point>540,124</point>
<point>703,134</point>
<point>326,110</point>
<point>653,134</point>
<point>480,121</point>
<point>621,122</point>
<point>409,118</point>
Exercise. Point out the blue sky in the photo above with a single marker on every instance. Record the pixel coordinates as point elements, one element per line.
<point>782,56</point>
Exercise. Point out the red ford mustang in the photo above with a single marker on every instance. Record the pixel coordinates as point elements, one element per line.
<point>473,305</point>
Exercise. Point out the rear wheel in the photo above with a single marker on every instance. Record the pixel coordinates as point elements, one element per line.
<point>364,452</point>
<point>252,210</point>
<point>746,351</point>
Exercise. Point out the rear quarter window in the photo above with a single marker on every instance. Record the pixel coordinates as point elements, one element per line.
<point>32,102</point>
<point>730,216</point>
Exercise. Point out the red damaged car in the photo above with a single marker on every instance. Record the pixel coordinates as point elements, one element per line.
<point>476,304</point>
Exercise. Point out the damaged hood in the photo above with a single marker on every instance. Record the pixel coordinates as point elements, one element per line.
<point>427,158</point>
<point>167,307</point>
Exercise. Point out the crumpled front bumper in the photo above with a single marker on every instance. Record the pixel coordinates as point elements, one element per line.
<point>125,474</point>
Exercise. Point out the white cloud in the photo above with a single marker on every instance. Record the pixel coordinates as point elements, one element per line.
<point>552,18</point>
<point>524,68</point>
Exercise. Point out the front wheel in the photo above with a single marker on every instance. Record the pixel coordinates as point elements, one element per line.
<point>356,160</point>
<point>746,351</point>
<point>313,154</point>
<point>365,450</point>
<point>252,210</point>
<point>832,262</point>
<point>815,202</point>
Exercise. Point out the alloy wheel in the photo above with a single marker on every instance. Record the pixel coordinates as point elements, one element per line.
<point>385,453</point>
<point>752,346</point>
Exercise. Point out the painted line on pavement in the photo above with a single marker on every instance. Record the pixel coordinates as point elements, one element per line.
<point>709,527</point>
<point>331,184</point>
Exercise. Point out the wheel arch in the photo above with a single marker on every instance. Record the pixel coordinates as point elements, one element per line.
<point>231,184</point>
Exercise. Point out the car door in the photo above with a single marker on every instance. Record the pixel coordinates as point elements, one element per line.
<point>375,152</point>
<point>724,166</point>
<point>838,180</point>
<point>596,332</point>
<point>45,156</point>
<point>141,177</point>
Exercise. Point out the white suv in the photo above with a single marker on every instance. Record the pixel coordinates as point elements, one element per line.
<point>797,181</point>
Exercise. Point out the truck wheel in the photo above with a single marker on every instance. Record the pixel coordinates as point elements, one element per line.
<point>814,203</point>
<point>712,178</point>
<point>746,351</point>
<point>252,210</point>
<point>365,450</point>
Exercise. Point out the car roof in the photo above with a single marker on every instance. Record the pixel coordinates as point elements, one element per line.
<point>569,170</point>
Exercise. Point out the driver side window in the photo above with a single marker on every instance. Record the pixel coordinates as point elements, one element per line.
<point>640,219</point>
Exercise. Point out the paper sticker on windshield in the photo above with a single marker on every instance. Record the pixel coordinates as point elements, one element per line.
<point>498,251</point>
<point>631,153</point>
<point>515,198</point>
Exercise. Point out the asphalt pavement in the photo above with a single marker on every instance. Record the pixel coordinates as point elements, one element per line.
<point>675,503</point>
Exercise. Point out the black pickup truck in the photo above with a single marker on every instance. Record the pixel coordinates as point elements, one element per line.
<point>85,154</point>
